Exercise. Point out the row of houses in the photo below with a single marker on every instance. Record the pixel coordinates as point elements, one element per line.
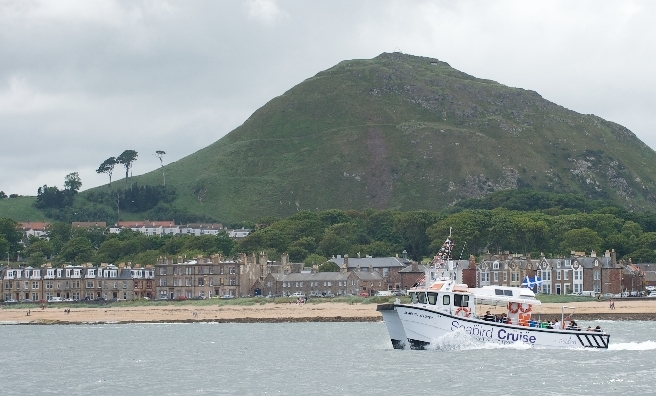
<point>252,275</point>
<point>150,228</point>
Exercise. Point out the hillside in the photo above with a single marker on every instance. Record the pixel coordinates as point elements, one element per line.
<point>406,132</point>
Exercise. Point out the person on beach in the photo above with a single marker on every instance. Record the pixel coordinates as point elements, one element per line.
<point>612,304</point>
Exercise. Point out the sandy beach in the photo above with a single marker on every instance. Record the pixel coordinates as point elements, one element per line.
<point>322,312</point>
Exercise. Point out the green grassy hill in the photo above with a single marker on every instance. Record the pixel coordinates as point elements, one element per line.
<point>21,209</point>
<point>405,132</point>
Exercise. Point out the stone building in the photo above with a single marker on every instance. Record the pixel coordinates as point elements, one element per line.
<point>574,274</point>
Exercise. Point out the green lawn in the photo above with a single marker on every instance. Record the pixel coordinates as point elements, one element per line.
<point>21,209</point>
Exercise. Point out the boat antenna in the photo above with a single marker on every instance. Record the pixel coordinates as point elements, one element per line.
<point>450,232</point>
<point>463,250</point>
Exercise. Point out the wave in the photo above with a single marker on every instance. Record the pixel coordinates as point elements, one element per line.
<point>461,341</point>
<point>633,346</point>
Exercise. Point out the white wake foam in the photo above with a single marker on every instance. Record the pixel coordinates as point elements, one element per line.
<point>459,341</point>
<point>633,346</point>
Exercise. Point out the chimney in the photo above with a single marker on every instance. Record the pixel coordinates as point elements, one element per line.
<point>315,269</point>
<point>346,260</point>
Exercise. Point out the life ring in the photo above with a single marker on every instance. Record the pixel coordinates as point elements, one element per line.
<point>525,310</point>
<point>510,307</point>
<point>463,309</point>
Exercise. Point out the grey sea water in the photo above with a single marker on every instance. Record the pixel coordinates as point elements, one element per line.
<point>309,359</point>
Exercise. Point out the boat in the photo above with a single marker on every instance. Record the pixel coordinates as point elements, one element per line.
<point>439,306</point>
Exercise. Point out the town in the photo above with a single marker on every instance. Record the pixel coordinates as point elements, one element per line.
<point>250,275</point>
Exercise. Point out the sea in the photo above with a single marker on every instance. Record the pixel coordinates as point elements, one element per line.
<point>310,359</point>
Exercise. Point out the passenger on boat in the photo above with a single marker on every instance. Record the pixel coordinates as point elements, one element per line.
<point>598,329</point>
<point>550,324</point>
<point>589,328</point>
<point>573,326</point>
<point>488,316</point>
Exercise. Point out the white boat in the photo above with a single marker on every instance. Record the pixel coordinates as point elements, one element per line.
<point>441,306</point>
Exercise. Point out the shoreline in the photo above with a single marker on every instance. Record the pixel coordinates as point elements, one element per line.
<point>284,313</point>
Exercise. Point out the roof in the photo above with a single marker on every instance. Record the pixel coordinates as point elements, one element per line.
<point>368,276</point>
<point>319,276</point>
<point>375,262</point>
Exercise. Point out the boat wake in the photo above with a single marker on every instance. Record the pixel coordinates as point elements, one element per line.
<point>461,341</point>
<point>633,346</point>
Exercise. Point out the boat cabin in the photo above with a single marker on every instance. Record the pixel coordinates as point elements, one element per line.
<point>446,296</point>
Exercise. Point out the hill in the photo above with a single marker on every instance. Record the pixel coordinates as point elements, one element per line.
<point>404,132</point>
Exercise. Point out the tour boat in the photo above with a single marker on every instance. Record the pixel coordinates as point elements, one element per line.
<point>440,306</point>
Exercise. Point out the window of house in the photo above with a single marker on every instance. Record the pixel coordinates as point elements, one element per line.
<point>596,275</point>
<point>125,284</point>
<point>201,282</point>
<point>485,276</point>
<point>546,275</point>
<point>385,271</point>
<point>558,275</point>
<point>35,285</point>
<point>162,282</point>
<point>566,276</point>
<point>187,281</point>
<point>505,277</point>
<point>495,265</point>
<point>89,284</point>
<point>162,271</point>
<point>496,276</point>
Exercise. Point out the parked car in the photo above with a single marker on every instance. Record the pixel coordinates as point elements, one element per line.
<point>227,296</point>
<point>399,293</point>
<point>329,295</point>
<point>55,299</point>
<point>297,295</point>
<point>11,301</point>
<point>364,294</point>
<point>652,294</point>
<point>384,293</point>
<point>27,301</point>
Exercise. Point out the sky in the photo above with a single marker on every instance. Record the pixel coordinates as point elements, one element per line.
<point>82,81</point>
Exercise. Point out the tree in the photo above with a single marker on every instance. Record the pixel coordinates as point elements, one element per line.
<point>328,266</point>
<point>77,250</point>
<point>2,194</point>
<point>160,154</point>
<point>126,159</point>
<point>580,240</point>
<point>107,167</point>
<point>72,182</point>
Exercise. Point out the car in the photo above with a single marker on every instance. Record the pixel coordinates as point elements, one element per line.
<point>297,295</point>
<point>384,293</point>
<point>55,299</point>
<point>652,294</point>
<point>364,294</point>
<point>608,295</point>
<point>227,296</point>
<point>329,295</point>
<point>399,293</point>
<point>27,301</point>
<point>11,301</point>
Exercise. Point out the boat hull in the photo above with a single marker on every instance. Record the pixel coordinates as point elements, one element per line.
<point>394,325</point>
<point>423,326</point>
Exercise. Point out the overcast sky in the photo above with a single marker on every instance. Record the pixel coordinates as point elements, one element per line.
<point>81,81</point>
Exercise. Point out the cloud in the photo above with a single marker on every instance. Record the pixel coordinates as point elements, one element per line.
<point>266,11</point>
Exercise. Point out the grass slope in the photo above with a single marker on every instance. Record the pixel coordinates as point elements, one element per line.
<point>21,209</point>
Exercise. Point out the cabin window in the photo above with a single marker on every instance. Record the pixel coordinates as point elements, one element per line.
<point>446,300</point>
<point>461,300</point>
<point>498,292</point>
<point>421,297</point>
<point>413,296</point>
<point>432,298</point>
